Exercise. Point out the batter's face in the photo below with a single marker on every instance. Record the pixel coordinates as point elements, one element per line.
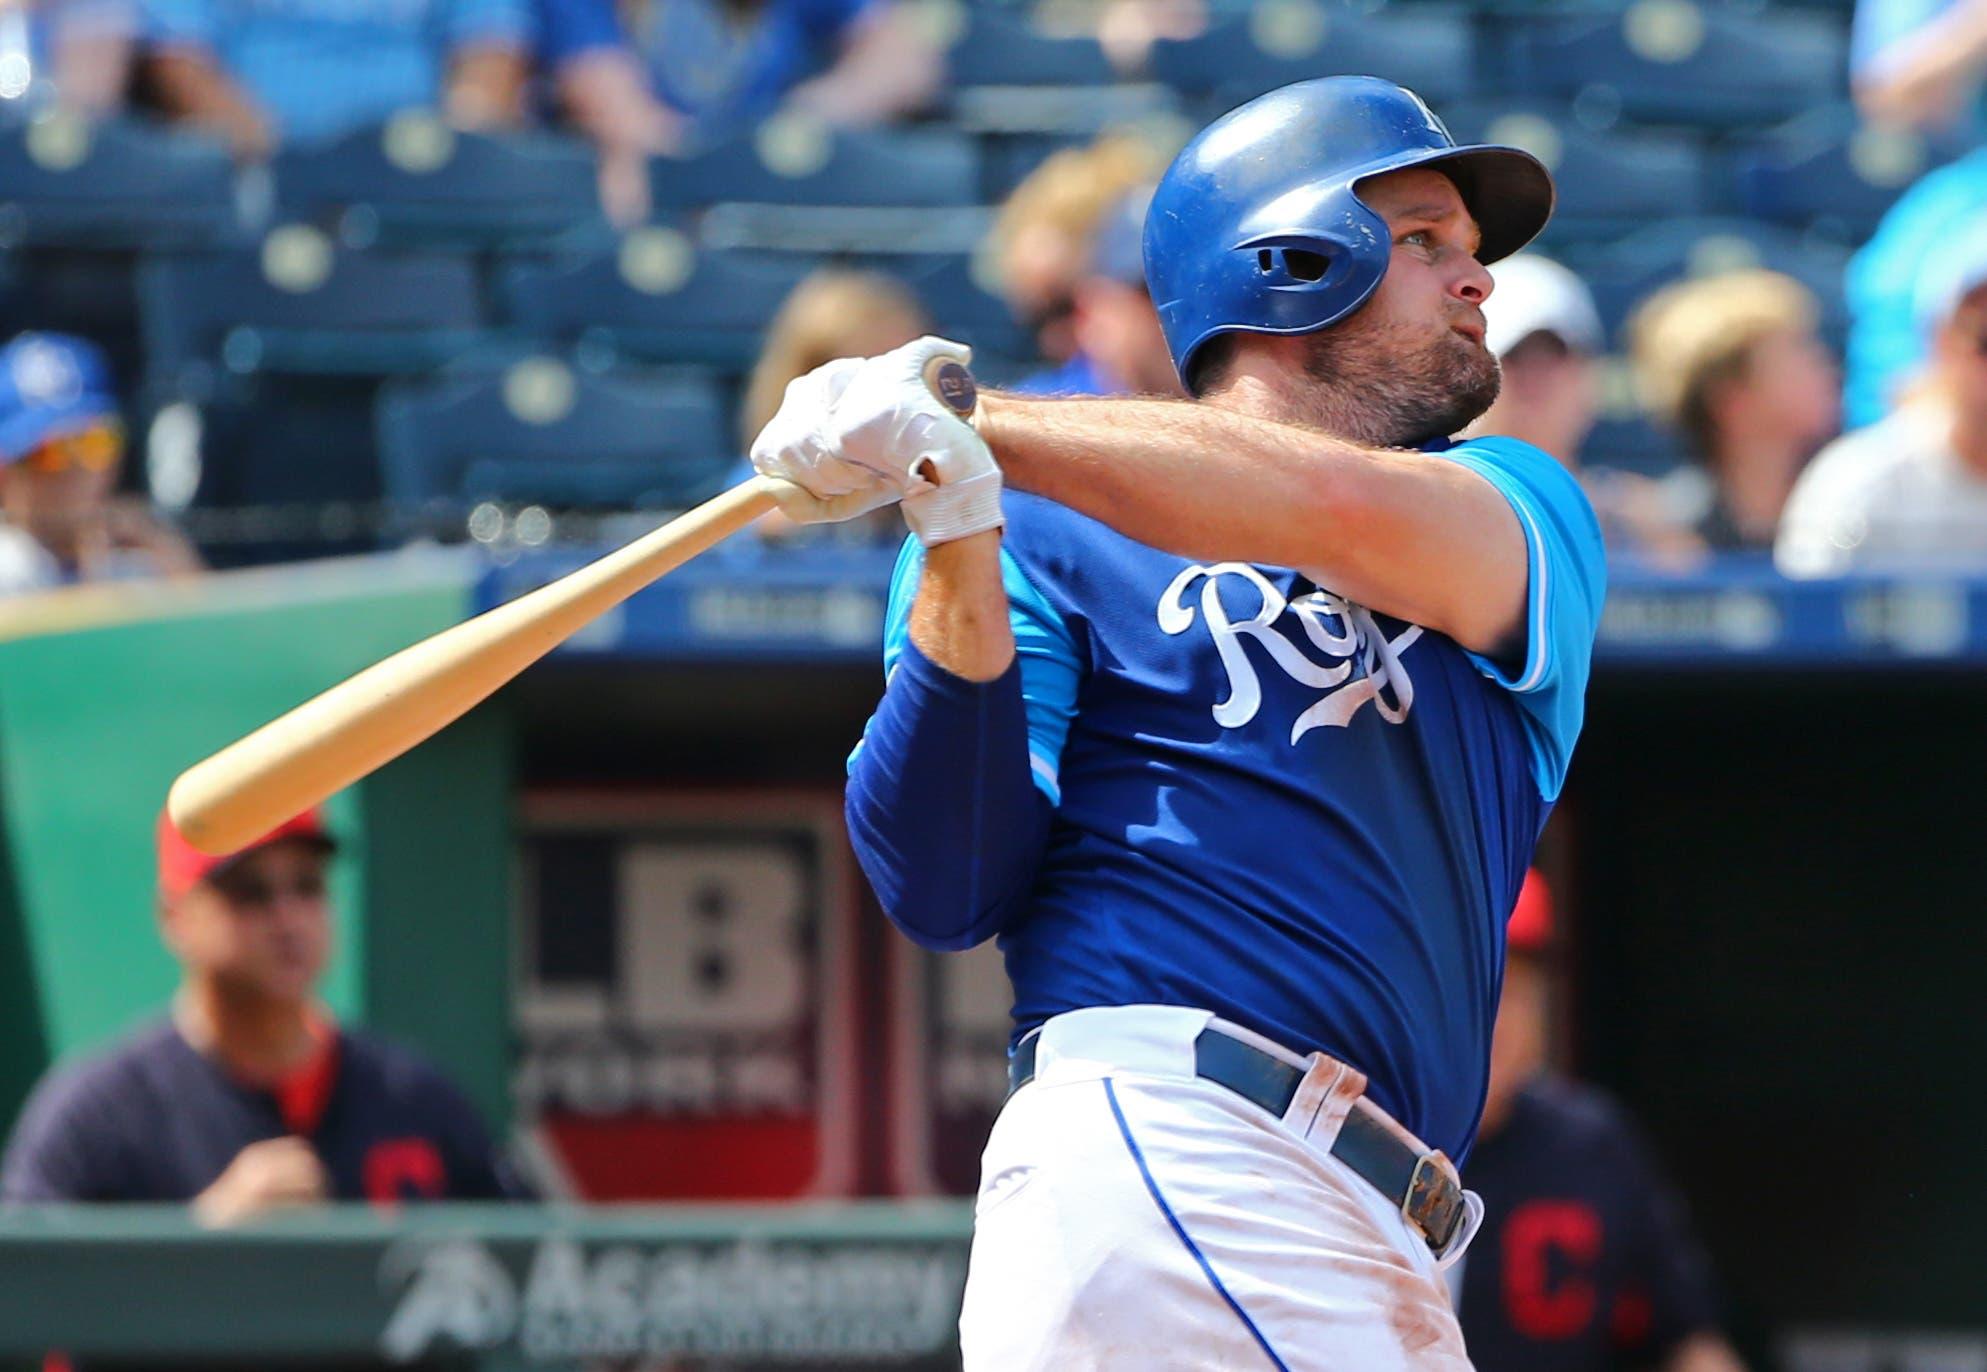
<point>260,928</point>
<point>1414,352</point>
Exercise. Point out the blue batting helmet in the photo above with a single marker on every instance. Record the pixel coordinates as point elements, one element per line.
<point>1257,227</point>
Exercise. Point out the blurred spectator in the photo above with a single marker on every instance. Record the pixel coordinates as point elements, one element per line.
<point>259,73</point>
<point>72,53</point>
<point>1734,363</point>
<point>1920,62</point>
<point>1912,488</point>
<point>1541,322</point>
<point>61,445</point>
<point>1886,346</point>
<point>1585,1261</point>
<point>659,76</point>
<point>1125,29</point>
<point>833,313</point>
<point>1041,241</point>
<point>247,1098</point>
<point>1119,347</point>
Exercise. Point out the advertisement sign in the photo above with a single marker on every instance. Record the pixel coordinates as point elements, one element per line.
<point>682,998</point>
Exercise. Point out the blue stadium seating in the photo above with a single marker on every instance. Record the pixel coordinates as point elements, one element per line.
<point>1625,272</point>
<point>287,471</point>
<point>1429,48</point>
<point>795,161</point>
<point>990,47</point>
<point>1830,170</point>
<point>414,181</point>
<point>1675,61</point>
<point>1607,180</point>
<point>543,432</point>
<point>961,306</point>
<point>652,295</point>
<point>71,184</point>
<point>1632,443</point>
<point>299,304</point>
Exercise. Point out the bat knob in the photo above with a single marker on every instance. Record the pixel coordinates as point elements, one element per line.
<point>953,385</point>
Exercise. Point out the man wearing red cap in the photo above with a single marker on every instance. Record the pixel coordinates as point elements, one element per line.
<point>1585,1261</point>
<point>246,1097</point>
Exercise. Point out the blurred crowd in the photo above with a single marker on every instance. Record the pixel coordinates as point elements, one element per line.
<point>1828,444</point>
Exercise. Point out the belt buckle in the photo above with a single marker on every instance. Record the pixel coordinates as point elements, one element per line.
<point>1434,1204</point>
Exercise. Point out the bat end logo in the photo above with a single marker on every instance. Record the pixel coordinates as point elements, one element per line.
<point>954,385</point>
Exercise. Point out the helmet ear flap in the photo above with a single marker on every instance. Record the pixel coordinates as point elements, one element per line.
<point>1293,266</point>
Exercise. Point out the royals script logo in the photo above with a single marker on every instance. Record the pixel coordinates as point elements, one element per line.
<point>1365,664</point>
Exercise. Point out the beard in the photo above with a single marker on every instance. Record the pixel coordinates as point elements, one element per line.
<point>1391,387</point>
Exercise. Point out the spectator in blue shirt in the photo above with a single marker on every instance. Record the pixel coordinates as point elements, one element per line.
<point>263,72</point>
<point>1887,348</point>
<point>663,76</point>
<point>1920,62</point>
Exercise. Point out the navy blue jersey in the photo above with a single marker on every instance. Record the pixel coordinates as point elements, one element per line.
<point>1280,806</point>
<point>152,1119</point>
<point>1585,1261</point>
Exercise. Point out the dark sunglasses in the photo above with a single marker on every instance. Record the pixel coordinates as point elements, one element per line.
<point>248,890</point>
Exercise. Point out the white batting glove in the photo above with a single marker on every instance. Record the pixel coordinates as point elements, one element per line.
<point>887,421</point>
<point>814,484</point>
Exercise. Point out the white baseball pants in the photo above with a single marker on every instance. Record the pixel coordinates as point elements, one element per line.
<point>1135,1217</point>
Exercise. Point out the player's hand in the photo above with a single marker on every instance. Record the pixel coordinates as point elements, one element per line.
<point>264,1176</point>
<point>815,484</point>
<point>887,421</point>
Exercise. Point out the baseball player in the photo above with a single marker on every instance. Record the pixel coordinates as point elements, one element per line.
<point>1235,720</point>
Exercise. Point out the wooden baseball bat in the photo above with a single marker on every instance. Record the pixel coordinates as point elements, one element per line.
<point>295,761</point>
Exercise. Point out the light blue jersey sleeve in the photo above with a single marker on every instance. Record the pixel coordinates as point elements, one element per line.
<point>1051,666</point>
<point>1567,580</point>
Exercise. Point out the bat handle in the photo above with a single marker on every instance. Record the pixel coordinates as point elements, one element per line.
<point>952,384</point>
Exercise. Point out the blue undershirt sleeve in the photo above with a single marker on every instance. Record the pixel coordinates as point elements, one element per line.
<point>952,787</point>
<point>1566,564</point>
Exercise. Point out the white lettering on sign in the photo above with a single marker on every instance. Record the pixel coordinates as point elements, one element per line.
<point>844,1301</point>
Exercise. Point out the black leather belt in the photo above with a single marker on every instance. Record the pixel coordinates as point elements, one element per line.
<point>1421,1184</point>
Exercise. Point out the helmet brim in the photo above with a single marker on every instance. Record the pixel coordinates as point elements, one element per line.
<point>1507,191</point>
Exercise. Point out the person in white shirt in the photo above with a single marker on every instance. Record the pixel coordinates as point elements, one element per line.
<point>1909,491</point>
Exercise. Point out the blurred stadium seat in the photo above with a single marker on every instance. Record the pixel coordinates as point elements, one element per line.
<point>1623,273</point>
<point>298,303</point>
<point>964,305</point>
<point>794,160</point>
<point>1676,61</point>
<point>988,46</point>
<point>285,469</point>
<point>653,295</point>
<point>542,432</point>
<point>1607,180</point>
<point>416,181</point>
<point>68,183</point>
<point>1429,48</point>
<point>1830,170</point>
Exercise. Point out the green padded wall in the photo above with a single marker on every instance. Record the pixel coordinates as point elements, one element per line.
<point>106,696</point>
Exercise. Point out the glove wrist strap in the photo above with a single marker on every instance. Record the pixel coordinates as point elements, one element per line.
<point>956,510</point>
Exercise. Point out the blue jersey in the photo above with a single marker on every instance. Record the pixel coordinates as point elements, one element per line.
<point>1279,806</point>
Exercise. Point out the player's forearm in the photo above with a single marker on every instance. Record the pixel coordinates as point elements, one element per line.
<point>1420,539</point>
<point>959,619</point>
<point>942,807</point>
